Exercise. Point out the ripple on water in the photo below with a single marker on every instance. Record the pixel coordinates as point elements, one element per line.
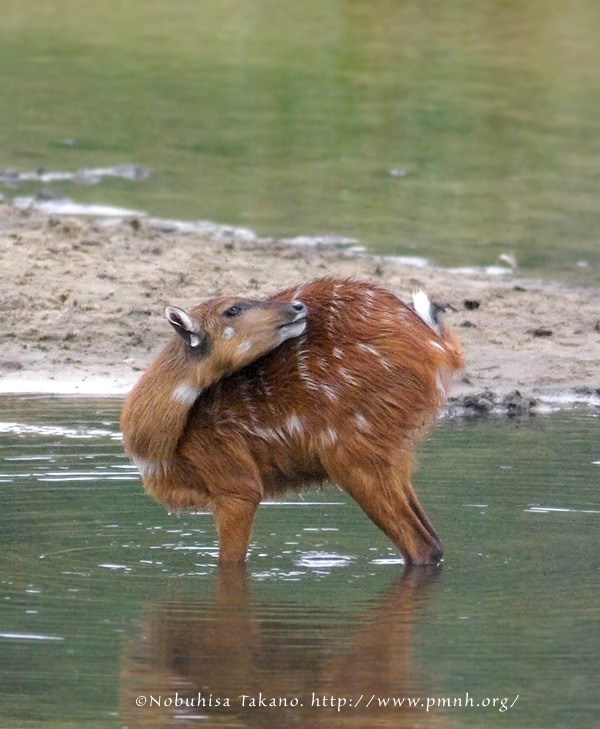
<point>82,563</point>
<point>321,560</point>
<point>30,636</point>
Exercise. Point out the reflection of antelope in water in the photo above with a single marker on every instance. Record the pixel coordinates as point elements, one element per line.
<point>231,646</point>
<point>330,380</point>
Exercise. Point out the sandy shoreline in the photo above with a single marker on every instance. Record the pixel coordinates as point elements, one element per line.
<point>81,306</point>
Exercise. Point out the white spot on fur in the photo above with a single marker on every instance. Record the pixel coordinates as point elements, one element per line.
<point>294,424</point>
<point>185,394</point>
<point>228,332</point>
<point>265,433</point>
<point>362,422</point>
<point>278,433</point>
<point>328,437</point>
<point>376,353</point>
<point>302,356</point>
<point>314,386</point>
<point>330,392</point>
<point>337,352</point>
<point>148,469</point>
<point>363,312</point>
<point>269,434</point>
<point>344,374</point>
<point>273,434</point>
<point>369,348</point>
<point>244,347</point>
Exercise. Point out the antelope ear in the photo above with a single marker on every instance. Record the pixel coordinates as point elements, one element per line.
<point>184,325</point>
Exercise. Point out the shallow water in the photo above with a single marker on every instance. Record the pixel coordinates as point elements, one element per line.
<point>105,598</point>
<point>455,132</point>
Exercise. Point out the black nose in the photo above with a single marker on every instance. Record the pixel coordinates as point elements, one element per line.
<point>299,307</point>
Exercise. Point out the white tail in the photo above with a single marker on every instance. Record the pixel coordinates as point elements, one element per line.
<point>424,308</point>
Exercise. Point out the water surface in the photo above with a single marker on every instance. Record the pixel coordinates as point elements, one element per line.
<point>454,131</point>
<point>106,598</point>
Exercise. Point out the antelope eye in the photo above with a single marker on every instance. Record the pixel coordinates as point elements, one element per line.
<point>233,311</point>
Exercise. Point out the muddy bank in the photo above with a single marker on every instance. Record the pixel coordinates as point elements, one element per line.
<point>82,307</point>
